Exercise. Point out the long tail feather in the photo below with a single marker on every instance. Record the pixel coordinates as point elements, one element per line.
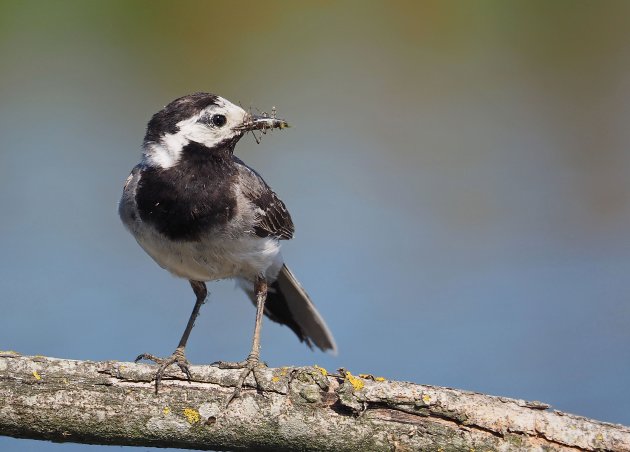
<point>289,304</point>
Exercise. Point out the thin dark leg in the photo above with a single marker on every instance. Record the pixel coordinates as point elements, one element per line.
<point>252,363</point>
<point>179,357</point>
<point>201,293</point>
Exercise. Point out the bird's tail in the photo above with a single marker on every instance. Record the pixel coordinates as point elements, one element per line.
<point>289,304</point>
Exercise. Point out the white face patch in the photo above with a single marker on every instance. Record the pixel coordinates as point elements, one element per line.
<point>200,128</point>
<point>214,124</point>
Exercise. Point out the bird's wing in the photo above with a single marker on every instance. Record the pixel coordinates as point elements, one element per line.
<point>273,219</point>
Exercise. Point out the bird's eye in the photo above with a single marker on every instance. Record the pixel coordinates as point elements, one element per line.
<point>218,120</point>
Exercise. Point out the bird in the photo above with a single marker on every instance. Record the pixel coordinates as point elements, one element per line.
<point>203,215</point>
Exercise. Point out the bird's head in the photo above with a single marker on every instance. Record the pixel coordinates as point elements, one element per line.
<point>201,118</point>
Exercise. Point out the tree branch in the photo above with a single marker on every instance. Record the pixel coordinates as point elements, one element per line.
<point>297,409</point>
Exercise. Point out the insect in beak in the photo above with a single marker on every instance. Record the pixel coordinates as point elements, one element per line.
<point>262,122</point>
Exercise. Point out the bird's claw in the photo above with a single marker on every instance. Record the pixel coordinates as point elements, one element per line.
<point>250,366</point>
<point>178,357</point>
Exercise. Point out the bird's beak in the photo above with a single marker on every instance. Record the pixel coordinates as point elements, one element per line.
<point>262,122</point>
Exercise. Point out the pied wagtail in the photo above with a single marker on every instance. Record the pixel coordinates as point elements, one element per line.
<point>203,215</point>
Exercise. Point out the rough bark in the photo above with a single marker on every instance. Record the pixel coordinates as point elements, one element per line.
<point>296,409</point>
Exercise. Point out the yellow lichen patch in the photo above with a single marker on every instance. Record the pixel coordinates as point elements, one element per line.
<point>36,375</point>
<point>323,371</point>
<point>166,411</point>
<point>282,373</point>
<point>599,438</point>
<point>426,398</point>
<point>371,377</point>
<point>356,382</point>
<point>192,415</point>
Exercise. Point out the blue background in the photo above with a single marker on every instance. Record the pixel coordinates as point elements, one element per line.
<point>458,173</point>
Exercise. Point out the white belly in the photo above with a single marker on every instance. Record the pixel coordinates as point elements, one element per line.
<point>216,258</point>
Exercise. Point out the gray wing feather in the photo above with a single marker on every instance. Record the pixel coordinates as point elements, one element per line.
<point>274,219</point>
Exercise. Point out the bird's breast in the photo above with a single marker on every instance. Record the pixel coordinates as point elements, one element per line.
<point>197,228</point>
<point>185,203</point>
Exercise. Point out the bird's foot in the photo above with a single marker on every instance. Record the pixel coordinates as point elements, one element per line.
<point>178,357</point>
<point>250,366</point>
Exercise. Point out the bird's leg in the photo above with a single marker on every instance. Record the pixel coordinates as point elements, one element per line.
<point>178,357</point>
<point>252,363</point>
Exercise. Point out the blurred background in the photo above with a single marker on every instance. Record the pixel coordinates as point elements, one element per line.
<point>458,174</point>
